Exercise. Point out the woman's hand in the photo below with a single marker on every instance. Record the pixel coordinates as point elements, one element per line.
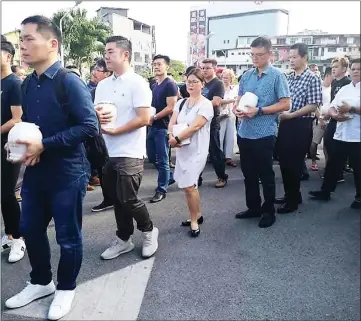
<point>172,141</point>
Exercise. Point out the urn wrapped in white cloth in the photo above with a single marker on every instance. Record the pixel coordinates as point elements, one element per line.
<point>108,107</point>
<point>21,131</point>
<point>248,99</point>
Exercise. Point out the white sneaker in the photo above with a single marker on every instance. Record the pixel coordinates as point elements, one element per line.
<point>118,247</point>
<point>17,250</point>
<point>61,304</point>
<point>150,243</point>
<point>6,243</point>
<point>30,293</point>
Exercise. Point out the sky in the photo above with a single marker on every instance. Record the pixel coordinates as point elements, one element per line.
<point>171,18</point>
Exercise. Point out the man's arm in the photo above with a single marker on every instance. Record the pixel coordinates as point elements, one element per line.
<point>283,96</point>
<point>15,106</point>
<point>81,110</point>
<point>314,98</point>
<point>172,96</point>
<point>218,94</point>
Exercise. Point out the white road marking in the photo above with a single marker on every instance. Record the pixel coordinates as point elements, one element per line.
<point>114,296</point>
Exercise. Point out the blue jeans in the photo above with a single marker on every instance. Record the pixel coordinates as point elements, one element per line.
<point>158,154</point>
<point>65,206</point>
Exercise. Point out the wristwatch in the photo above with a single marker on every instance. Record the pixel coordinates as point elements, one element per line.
<point>260,111</point>
<point>155,117</point>
<point>177,139</point>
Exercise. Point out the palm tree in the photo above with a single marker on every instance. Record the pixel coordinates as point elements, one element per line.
<point>83,38</point>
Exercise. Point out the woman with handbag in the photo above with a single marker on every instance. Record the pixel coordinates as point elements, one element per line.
<point>189,130</point>
<point>227,132</point>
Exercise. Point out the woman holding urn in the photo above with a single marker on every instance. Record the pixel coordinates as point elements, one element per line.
<point>189,130</point>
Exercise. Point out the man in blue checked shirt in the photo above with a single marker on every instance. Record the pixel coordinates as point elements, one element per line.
<point>295,129</point>
<point>257,131</point>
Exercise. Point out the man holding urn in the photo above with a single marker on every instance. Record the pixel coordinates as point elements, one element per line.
<point>257,130</point>
<point>127,95</point>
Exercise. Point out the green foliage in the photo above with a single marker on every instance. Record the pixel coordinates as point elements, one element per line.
<point>175,68</point>
<point>83,38</point>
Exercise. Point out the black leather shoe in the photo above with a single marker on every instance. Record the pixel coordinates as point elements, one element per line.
<point>305,177</point>
<point>171,182</point>
<point>248,214</point>
<point>158,197</point>
<point>282,200</point>
<point>195,233</point>
<point>267,220</point>
<point>320,195</point>
<point>356,205</point>
<point>287,208</point>
<point>188,222</point>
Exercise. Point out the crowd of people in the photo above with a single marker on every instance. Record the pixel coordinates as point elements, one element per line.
<point>200,121</point>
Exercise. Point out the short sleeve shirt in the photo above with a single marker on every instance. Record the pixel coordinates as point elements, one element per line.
<point>167,88</point>
<point>269,87</point>
<point>10,96</point>
<point>214,88</point>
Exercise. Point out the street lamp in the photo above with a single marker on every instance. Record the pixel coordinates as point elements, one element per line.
<point>78,2</point>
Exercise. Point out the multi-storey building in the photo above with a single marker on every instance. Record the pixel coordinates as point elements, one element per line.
<point>141,34</point>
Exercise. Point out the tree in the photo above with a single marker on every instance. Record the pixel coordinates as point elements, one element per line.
<point>83,38</point>
<point>176,67</point>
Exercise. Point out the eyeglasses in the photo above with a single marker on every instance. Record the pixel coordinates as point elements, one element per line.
<point>258,55</point>
<point>205,68</point>
<point>193,82</point>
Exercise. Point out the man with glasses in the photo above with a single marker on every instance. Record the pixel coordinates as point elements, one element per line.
<point>257,131</point>
<point>214,91</point>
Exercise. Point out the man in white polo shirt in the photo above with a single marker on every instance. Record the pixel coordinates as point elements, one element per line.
<point>345,108</point>
<point>126,145</point>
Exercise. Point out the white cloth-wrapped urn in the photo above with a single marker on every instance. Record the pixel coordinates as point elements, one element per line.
<point>248,99</point>
<point>21,131</point>
<point>109,107</point>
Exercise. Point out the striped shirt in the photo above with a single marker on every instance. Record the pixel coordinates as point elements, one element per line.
<point>306,89</point>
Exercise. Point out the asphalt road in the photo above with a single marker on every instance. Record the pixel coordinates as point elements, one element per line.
<point>305,267</point>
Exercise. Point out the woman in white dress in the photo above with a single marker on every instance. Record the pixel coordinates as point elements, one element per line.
<point>194,115</point>
<point>227,132</point>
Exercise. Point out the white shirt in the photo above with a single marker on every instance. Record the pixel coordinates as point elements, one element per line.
<point>349,130</point>
<point>128,92</point>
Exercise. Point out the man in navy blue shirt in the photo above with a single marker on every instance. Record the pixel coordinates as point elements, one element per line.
<point>257,131</point>
<point>165,93</point>
<point>57,170</point>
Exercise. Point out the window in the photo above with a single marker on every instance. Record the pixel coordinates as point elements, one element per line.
<point>227,41</point>
<point>137,57</point>
<point>332,49</point>
<point>306,41</point>
<point>248,41</point>
<point>224,41</point>
<point>281,41</point>
<point>293,41</point>
<point>322,52</point>
<point>315,51</point>
<point>232,53</point>
<point>344,49</point>
<point>239,54</point>
<point>146,59</point>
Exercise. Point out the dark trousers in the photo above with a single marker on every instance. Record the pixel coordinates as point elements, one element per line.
<point>293,140</point>
<point>65,206</point>
<point>10,208</point>
<point>122,178</point>
<point>215,152</point>
<point>257,163</point>
<point>340,152</point>
<point>106,198</point>
<point>329,142</point>
<point>158,154</point>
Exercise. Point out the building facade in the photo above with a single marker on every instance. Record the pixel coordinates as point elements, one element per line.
<point>141,34</point>
<point>217,29</point>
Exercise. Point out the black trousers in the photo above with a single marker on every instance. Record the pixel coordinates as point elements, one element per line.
<point>9,205</point>
<point>106,198</point>
<point>215,152</point>
<point>122,178</point>
<point>329,142</point>
<point>257,163</point>
<point>339,154</point>
<point>293,140</point>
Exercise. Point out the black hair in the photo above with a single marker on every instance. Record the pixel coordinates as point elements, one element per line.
<point>328,71</point>
<point>189,69</point>
<point>3,38</point>
<point>14,68</point>
<point>123,43</point>
<point>45,25</point>
<point>262,42</point>
<point>356,61</point>
<point>165,58</point>
<point>8,47</point>
<point>301,48</point>
<point>101,63</point>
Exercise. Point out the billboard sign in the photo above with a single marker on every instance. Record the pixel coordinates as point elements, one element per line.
<point>197,38</point>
